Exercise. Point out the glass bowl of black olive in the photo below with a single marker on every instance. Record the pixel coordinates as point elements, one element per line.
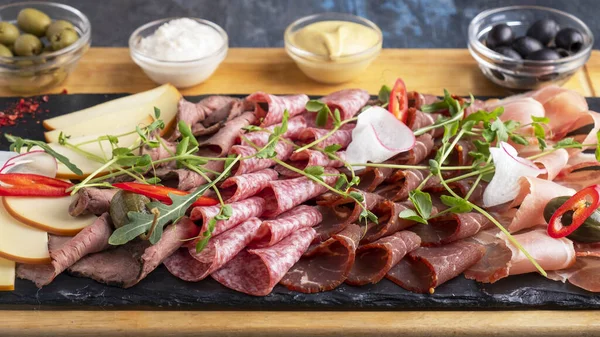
<point>528,47</point>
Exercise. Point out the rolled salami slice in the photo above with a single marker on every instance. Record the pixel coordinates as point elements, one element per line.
<point>326,266</point>
<point>426,268</point>
<point>260,138</point>
<point>348,101</point>
<point>241,211</point>
<point>241,187</point>
<point>401,182</point>
<point>302,160</point>
<point>270,108</point>
<point>220,250</point>
<point>343,137</point>
<point>275,230</point>
<point>283,195</point>
<point>257,271</point>
<point>220,143</point>
<point>283,149</point>
<point>389,221</point>
<point>375,259</point>
<point>446,229</point>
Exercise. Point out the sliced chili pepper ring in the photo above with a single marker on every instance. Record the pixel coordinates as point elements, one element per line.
<point>399,101</point>
<point>582,204</point>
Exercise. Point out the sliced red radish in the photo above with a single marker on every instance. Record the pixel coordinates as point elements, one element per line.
<point>504,187</point>
<point>5,156</point>
<point>378,136</point>
<point>33,162</point>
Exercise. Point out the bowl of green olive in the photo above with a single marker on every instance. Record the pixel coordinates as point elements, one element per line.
<point>40,44</point>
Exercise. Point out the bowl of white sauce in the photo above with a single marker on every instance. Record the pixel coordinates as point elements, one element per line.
<point>180,51</point>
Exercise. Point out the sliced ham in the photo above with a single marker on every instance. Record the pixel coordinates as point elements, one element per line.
<point>257,271</point>
<point>564,110</point>
<point>302,160</point>
<point>342,137</point>
<point>270,108</point>
<point>274,230</point>
<point>454,227</point>
<point>374,260</point>
<point>583,274</point>
<point>347,101</point>
<point>587,249</point>
<point>522,110</point>
<point>553,163</point>
<point>326,266</point>
<point>401,182</point>
<point>240,212</point>
<point>243,186</point>
<point>253,164</point>
<point>91,200</point>
<point>260,138</point>
<point>220,143</point>
<point>185,180</point>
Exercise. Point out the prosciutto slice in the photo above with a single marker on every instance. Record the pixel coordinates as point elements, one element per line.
<point>275,230</point>
<point>454,227</point>
<point>326,266</point>
<point>220,143</point>
<point>426,268</point>
<point>241,211</point>
<point>270,108</point>
<point>579,176</point>
<point>583,274</point>
<point>342,137</point>
<point>374,260</point>
<point>587,249</point>
<point>189,265</point>
<point>192,113</point>
<point>347,101</point>
<point>563,110</point>
<point>260,138</point>
<point>401,182</point>
<point>243,186</point>
<point>302,160</point>
<point>253,164</point>
<point>257,271</point>
<point>91,200</point>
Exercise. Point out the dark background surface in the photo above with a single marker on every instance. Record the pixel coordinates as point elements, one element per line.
<point>260,23</point>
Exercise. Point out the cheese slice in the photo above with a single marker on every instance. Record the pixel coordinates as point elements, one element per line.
<point>98,126</point>
<point>7,275</point>
<point>22,243</point>
<point>48,214</point>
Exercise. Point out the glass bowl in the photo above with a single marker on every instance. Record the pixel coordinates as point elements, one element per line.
<point>525,74</point>
<point>320,67</point>
<point>33,74</point>
<point>181,74</point>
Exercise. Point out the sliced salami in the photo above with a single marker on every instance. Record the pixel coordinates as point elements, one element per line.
<point>302,160</point>
<point>241,211</point>
<point>375,259</point>
<point>220,143</point>
<point>257,271</point>
<point>326,266</point>
<point>260,138</point>
<point>283,195</point>
<point>426,268</point>
<point>401,183</point>
<point>275,230</point>
<point>253,164</point>
<point>270,108</point>
<point>446,229</point>
<point>342,137</point>
<point>243,186</point>
<point>347,101</point>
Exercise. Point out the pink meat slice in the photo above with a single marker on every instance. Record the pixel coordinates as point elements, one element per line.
<point>283,195</point>
<point>220,143</point>
<point>243,186</point>
<point>375,259</point>
<point>587,249</point>
<point>326,266</point>
<point>191,266</point>
<point>553,163</point>
<point>257,271</point>
<point>275,230</point>
<point>261,138</point>
<point>252,163</point>
<point>241,211</point>
<point>446,229</point>
<point>193,113</point>
<point>342,137</point>
<point>563,110</point>
<point>426,268</point>
<point>91,200</point>
<point>270,108</point>
<point>302,160</point>
<point>347,101</point>
<point>583,274</point>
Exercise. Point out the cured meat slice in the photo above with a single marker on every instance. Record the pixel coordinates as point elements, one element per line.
<point>192,113</point>
<point>417,119</point>
<point>253,164</point>
<point>65,251</point>
<point>332,223</point>
<point>553,163</point>
<point>257,271</point>
<point>191,266</point>
<point>199,130</point>
<point>564,110</point>
<point>283,195</point>
<point>375,259</point>
<point>426,268</point>
<point>372,177</point>
<point>347,101</point>
<point>302,160</point>
<point>587,249</point>
<point>166,150</point>
<point>326,266</point>
<point>261,138</point>
<point>583,274</point>
<point>128,264</point>
<point>91,200</point>
<point>416,99</point>
<point>275,230</point>
<point>389,221</point>
<point>342,137</point>
<point>345,208</point>
<point>220,143</point>
<point>241,187</point>
<point>401,183</point>
<point>185,180</point>
<point>579,176</point>
<point>421,150</point>
<point>270,108</point>
<point>241,211</point>
<point>454,227</point>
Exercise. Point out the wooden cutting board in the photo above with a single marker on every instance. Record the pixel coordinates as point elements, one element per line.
<point>110,70</point>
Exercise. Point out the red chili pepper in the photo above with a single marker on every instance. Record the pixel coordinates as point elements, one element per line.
<point>399,101</point>
<point>32,185</point>
<point>161,193</point>
<point>583,204</point>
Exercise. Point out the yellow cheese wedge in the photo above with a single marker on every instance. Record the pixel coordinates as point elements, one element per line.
<point>22,243</point>
<point>47,214</point>
<point>96,127</point>
<point>106,114</point>
<point>7,275</point>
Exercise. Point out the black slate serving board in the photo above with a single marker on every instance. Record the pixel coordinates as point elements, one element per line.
<point>161,290</point>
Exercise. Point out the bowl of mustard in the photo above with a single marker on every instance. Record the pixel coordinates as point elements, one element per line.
<point>333,47</point>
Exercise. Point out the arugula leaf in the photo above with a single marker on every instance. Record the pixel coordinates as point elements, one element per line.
<point>409,214</point>
<point>569,142</point>
<point>314,105</point>
<point>18,143</point>
<point>422,202</point>
<point>384,94</point>
<point>450,131</point>
<point>457,205</point>
<point>322,116</point>
<point>468,126</point>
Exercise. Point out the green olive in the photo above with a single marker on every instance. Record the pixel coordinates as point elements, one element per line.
<point>124,202</point>
<point>63,39</point>
<point>57,27</point>
<point>28,45</point>
<point>5,52</point>
<point>33,21</point>
<point>8,33</point>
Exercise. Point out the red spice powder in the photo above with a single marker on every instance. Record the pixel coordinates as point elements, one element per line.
<point>11,114</point>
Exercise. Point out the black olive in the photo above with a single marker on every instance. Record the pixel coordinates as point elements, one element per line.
<point>526,45</point>
<point>569,39</point>
<point>543,30</point>
<point>500,35</point>
<point>562,52</point>
<point>545,54</point>
<point>508,52</point>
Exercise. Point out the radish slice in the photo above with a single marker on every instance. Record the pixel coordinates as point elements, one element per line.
<point>5,156</point>
<point>378,136</point>
<point>33,162</point>
<point>504,187</point>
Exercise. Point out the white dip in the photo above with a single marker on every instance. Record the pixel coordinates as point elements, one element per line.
<point>181,40</point>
